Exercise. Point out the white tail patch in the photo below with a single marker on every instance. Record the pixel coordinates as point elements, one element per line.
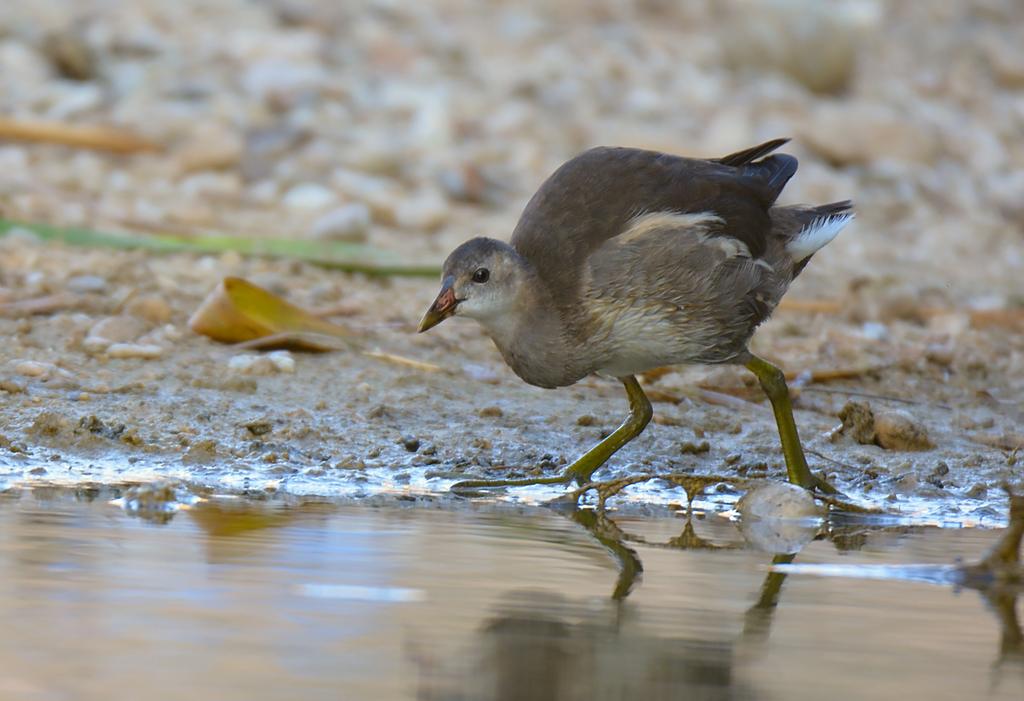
<point>816,235</point>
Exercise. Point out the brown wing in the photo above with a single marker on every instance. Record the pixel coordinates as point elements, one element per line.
<point>591,198</point>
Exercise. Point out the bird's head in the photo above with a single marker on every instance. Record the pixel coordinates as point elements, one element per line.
<point>482,279</point>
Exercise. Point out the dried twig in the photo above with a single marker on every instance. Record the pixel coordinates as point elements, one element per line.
<point>98,138</point>
<point>869,395</point>
<point>401,360</point>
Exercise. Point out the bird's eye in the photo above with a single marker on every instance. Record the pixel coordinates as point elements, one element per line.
<point>481,275</point>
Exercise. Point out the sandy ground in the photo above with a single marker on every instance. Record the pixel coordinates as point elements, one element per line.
<point>414,129</point>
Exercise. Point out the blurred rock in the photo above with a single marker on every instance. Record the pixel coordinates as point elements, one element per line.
<point>70,55</point>
<point>898,430</point>
<point>87,283</point>
<point>309,196</point>
<point>347,223</point>
<point>149,308</point>
<point>212,146</point>
<point>846,133</point>
<point>892,429</point>
<point>779,517</point>
<point>282,83</point>
<point>379,194</point>
<point>811,42</point>
<point>425,211</point>
<point>1005,56</point>
<point>113,329</point>
<point>144,351</point>
<point>266,146</point>
<point>269,364</point>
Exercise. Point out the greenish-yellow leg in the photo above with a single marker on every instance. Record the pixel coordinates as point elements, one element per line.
<point>640,414</point>
<point>773,382</point>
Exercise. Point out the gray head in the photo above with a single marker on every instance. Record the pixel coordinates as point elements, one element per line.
<point>482,279</point>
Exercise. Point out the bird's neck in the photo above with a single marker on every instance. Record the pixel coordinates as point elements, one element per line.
<point>531,338</point>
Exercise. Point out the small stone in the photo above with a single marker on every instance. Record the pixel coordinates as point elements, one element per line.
<point>49,424</point>
<point>778,500</point>
<point>977,491</point>
<point>1006,59</point>
<point>11,386</point>
<point>251,364</point>
<point>258,364</point>
<point>200,452</point>
<point>690,448</point>
<point>309,196</point>
<point>411,443</point>
<point>281,83</point>
<point>858,422</point>
<point>283,360</point>
<point>34,368</point>
<point>379,194</point>
<point>491,412</point>
<point>870,132</point>
<point>259,427</point>
<point>349,222</point>
<point>211,146</point>
<point>87,283</point>
<point>425,211</point>
<point>145,351</point>
<point>898,430</point>
<point>71,55</point>
<point>586,420</point>
<point>113,329</point>
<point>149,308</point>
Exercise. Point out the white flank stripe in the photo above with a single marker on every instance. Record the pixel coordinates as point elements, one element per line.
<point>816,234</point>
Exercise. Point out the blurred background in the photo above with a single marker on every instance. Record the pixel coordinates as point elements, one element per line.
<point>408,127</point>
<point>415,125</point>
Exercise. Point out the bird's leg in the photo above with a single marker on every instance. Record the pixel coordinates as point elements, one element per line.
<point>582,468</point>
<point>773,382</point>
<point>640,414</point>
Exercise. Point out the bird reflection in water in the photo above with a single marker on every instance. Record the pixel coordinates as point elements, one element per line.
<point>541,647</point>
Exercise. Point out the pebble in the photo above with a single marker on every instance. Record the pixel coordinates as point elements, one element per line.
<point>349,223</point>
<point>34,368</point>
<point>113,329</point>
<point>71,55</point>
<point>870,132</point>
<point>87,283</point>
<point>211,146</point>
<point>899,430</point>
<point>778,500</point>
<point>309,196</point>
<point>145,351</point>
<point>425,211</point>
<point>149,308</point>
<point>258,364</point>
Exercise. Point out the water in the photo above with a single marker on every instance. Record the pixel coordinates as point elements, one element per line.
<point>231,599</point>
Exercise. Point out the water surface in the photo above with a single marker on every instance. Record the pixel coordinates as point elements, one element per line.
<point>234,599</point>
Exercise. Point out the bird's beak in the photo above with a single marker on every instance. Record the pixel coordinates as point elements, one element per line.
<point>442,308</point>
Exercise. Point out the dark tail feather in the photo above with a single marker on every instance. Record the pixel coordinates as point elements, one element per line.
<point>829,210</point>
<point>742,158</point>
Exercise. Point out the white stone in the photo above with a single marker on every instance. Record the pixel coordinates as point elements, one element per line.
<point>425,211</point>
<point>349,222</point>
<point>145,351</point>
<point>309,196</point>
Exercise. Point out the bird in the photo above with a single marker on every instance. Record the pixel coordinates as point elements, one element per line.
<point>626,260</point>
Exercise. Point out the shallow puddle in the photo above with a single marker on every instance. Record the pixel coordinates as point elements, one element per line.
<point>232,599</point>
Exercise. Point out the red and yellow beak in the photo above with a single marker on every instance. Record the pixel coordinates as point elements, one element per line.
<point>442,308</point>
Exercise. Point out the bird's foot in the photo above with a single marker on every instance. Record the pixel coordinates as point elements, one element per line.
<point>820,484</point>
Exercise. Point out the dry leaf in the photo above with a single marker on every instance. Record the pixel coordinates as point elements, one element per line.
<point>238,311</point>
